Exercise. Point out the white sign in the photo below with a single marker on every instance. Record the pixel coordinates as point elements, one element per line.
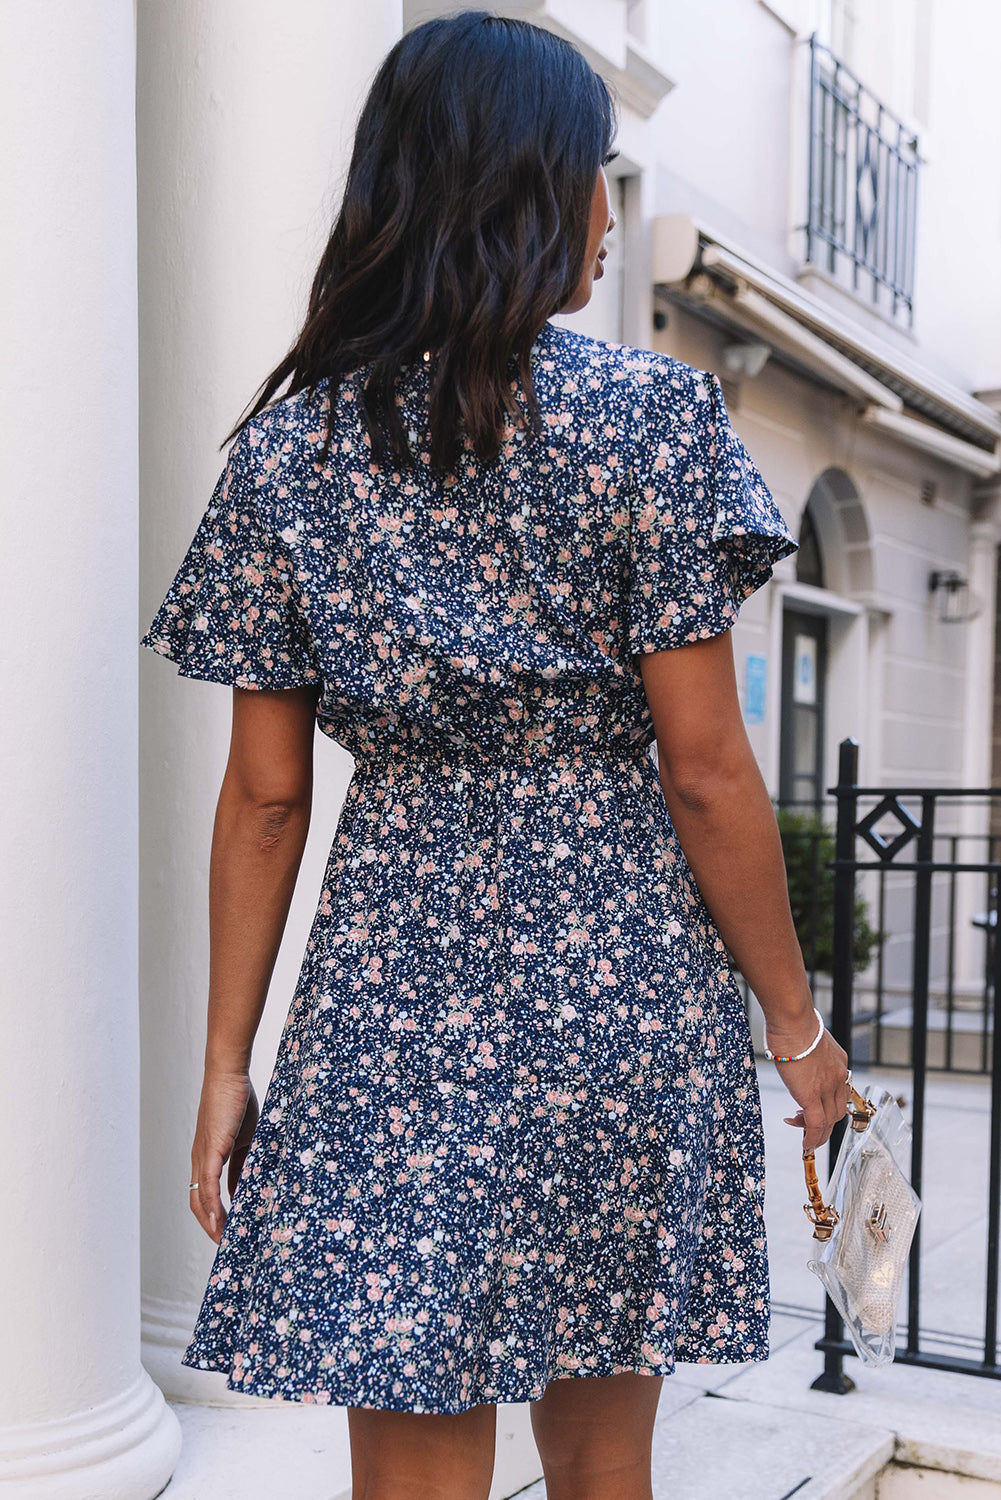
<point>804,679</point>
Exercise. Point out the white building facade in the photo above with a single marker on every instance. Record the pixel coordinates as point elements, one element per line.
<point>750,224</point>
<point>817,229</point>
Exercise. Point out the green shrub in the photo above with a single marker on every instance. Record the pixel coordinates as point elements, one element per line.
<point>808,843</point>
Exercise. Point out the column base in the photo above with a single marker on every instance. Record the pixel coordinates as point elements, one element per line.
<point>122,1449</point>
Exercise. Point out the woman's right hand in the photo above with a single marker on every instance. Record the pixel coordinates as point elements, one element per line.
<point>818,1083</point>
<point>227,1117</point>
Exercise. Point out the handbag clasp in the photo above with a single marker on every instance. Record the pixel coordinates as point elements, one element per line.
<point>876,1222</point>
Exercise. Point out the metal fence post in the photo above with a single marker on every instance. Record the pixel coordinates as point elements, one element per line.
<point>833,1377</point>
<point>994,1156</point>
<point>923,877</point>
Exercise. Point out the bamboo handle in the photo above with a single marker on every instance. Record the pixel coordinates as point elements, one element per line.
<point>822,1217</point>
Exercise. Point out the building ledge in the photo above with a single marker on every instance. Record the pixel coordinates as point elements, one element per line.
<point>693,263</point>
<point>627,63</point>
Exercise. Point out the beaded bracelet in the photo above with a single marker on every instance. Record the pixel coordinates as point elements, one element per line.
<point>795,1057</point>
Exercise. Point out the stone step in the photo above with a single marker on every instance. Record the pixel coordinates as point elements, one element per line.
<point>907,1482</point>
<point>708,1447</point>
<point>942,1423</point>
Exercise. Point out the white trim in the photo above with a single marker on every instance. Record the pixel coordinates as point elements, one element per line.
<point>757,315</point>
<point>951,450</point>
<point>676,239</point>
<point>817,600</point>
<point>826,320</point>
<point>639,80</point>
<point>810,275</point>
<point>780,9</point>
<point>838,367</point>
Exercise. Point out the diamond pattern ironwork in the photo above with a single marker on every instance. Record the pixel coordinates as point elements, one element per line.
<point>867,194</point>
<point>862,185</point>
<point>884,847</point>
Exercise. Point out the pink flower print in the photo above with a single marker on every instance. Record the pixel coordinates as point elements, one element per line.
<point>496,1091</point>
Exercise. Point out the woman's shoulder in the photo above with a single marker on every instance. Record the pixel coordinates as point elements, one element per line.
<point>650,379</point>
<point>288,431</point>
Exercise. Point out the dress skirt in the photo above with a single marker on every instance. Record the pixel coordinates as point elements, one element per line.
<point>513,1132</point>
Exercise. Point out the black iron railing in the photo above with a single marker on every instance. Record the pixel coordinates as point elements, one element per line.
<point>961,939</point>
<point>910,848</point>
<point>863,180</point>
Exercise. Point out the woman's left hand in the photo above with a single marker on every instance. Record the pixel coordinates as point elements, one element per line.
<point>227,1118</point>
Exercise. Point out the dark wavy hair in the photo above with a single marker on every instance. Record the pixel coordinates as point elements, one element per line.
<point>463,227</point>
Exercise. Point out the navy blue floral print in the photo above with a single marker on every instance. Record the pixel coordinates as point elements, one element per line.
<point>513,1132</point>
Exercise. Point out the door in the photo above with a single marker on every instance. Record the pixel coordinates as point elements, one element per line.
<point>804,683</point>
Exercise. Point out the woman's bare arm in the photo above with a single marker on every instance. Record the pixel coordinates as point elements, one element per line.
<point>726,825</point>
<point>258,837</point>
<point>261,823</point>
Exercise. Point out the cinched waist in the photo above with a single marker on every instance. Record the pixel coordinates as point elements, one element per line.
<point>447,757</point>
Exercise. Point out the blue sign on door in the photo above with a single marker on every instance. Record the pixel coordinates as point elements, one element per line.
<point>754,689</point>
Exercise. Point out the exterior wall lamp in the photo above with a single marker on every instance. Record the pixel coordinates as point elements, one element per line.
<point>746,358</point>
<point>950,594</point>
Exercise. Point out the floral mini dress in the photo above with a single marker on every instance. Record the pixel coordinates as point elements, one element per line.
<point>513,1132</point>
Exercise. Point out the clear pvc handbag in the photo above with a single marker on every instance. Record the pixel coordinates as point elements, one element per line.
<point>866,1229</point>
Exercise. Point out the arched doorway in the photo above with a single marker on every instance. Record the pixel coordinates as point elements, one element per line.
<point>834,564</point>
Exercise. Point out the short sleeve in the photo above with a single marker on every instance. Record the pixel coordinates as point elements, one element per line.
<point>705,531</point>
<point>231,614</point>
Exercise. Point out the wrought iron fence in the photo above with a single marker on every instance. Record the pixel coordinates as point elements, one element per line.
<point>961,939</point>
<point>863,180</point>
<point>916,866</point>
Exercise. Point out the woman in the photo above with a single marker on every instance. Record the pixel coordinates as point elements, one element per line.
<point>513,1134</point>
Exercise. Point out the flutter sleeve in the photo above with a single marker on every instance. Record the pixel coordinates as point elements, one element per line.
<point>705,531</point>
<point>231,614</point>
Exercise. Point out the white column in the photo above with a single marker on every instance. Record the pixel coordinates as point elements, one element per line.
<point>985,536</point>
<point>978,717</point>
<point>81,1420</point>
<point>246,120</point>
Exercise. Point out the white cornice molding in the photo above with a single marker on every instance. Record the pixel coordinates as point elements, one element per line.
<point>820,600</point>
<point>929,439</point>
<point>686,249</point>
<point>636,75</point>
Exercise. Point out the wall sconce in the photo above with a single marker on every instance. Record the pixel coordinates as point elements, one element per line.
<point>746,359</point>
<point>951,595</point>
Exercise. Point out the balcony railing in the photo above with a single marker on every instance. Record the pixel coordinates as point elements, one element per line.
<point>863,179</point>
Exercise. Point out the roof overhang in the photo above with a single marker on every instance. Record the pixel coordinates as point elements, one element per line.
<point>696,265</point>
